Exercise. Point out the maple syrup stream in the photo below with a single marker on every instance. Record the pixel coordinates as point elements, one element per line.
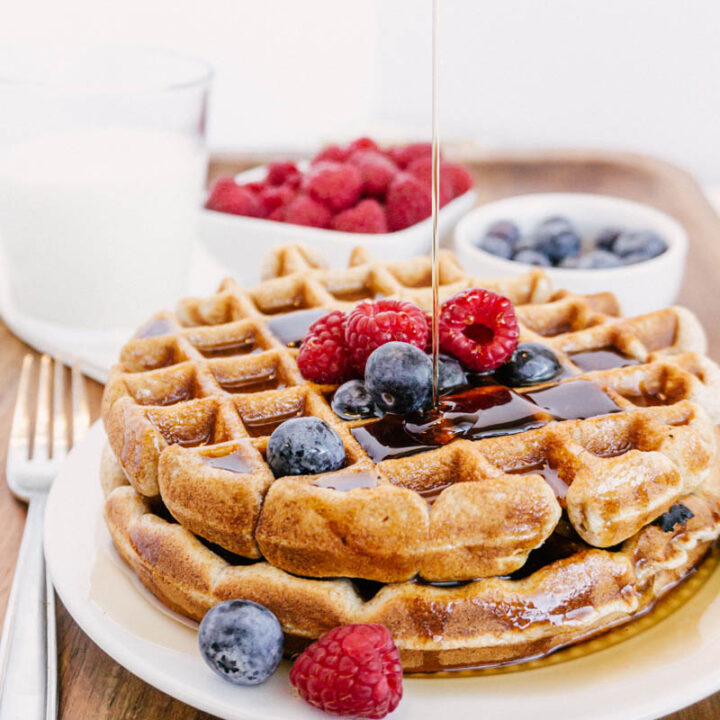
<point>435,197</point>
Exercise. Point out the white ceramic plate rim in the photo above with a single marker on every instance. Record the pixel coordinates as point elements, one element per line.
<point>588,688</point>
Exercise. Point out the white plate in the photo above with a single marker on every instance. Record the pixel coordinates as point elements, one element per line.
<point>672,664</point>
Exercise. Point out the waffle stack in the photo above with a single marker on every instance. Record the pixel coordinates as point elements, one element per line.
<point>547,522</point>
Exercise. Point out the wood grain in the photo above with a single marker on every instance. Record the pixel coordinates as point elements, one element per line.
<point>91,684</point>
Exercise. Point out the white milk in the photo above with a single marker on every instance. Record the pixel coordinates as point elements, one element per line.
<point>97,224</point>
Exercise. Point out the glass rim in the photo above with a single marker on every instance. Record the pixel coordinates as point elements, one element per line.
<point>202,75</point>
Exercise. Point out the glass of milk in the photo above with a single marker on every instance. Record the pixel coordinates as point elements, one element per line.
<point>102,166</point>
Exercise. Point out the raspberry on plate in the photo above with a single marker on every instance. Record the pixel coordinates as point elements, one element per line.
<point>337,186</point>
<point>272,198</point>
<point>479,328</point>
<point>460,178</point>
<point>377,171</point>
<point>367,216</point>
<point>408,202</point>
<point>324,357</point>
<point>353,670</point>
<point>421,168</point>
<point>371,324</point>
<point>303,210</point>
<point>332,153</point>
<point>229,197</point>
<point>403,155</point>
<point>284,173</point>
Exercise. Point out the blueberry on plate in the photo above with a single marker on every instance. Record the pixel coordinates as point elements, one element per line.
<point>496,246</point>
<point>556,238</point>
<point>593,260</point>
<point>452,375</point>
<point>399,377</point>
<point>304,446</point>
<point>606,238</point>
<point>530,364</point>
<point>640,242</point>
<point>241,641</point>
<point>505,230</point>
<point>353,401</point>
<point>532,257</point>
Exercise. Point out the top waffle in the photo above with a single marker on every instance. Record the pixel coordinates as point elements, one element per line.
<point>624,434</point>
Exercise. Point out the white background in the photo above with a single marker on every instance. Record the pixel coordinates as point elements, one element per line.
<point>633,74</point>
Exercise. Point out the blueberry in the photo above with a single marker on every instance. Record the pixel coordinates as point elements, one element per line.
<point>530,364</point>
<point>532,257</point>
<point>353,401</point>
<point>606,238</point>
<point>241,641</point>
<point>399,377</point>
<point>594,260</point>
<point>496,246</point>
<point>678,514</point>
<point>556,238</point>
<point>452,375</point>
<point>304,446</point>
<point>645,242</point>
<point>635,258</point>
<point>505,230</point>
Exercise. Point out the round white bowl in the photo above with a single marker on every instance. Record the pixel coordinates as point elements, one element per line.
<point>240,243</point>
<point>640,288</point>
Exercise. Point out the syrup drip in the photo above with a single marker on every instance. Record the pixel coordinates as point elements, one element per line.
<point>233,462</point>
<point>602,359</point>
<point>548,472</point>
<point>348,481</point>
<point>242,346</point>
<point>267,380</point>
<point>291,328</point>
<point>259,427</point>
<point>486,411</point>
<point>574,400</point>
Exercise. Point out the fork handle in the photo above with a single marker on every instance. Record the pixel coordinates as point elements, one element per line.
<point>24,644</point>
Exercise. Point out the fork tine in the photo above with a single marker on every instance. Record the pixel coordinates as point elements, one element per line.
<point>80,408</point>
<point>20,431</point>
<point>59,420</point>
<point>41,443</point>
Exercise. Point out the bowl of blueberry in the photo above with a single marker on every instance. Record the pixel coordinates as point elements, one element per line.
<point>585,243</point>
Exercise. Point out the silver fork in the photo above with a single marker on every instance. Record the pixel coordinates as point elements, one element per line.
<point>28,651</point>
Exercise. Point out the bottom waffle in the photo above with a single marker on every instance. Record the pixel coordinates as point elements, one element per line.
<point>563,596</point>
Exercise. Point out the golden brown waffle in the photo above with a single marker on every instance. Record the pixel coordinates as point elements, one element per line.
<point>190,407</point>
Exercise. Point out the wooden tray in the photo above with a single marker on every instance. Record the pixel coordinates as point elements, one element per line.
<point>94,686</point>
<point>627,175</point>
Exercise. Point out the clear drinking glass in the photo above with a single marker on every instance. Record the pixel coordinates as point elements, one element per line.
<point>102,165</point>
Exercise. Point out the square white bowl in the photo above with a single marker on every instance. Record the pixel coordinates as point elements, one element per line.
<point>640,288</point>
<point>241,243</point>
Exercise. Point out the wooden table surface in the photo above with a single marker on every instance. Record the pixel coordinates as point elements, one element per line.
<point>92,686</point>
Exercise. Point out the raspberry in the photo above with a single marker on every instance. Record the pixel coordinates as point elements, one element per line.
<point>303,210</point>
<point>338,186</point>
<point>284,173</point>
<point>421,168</point>
<point>367,216</point>
<point>403,155</point>
<point>353,670</point>
<point>376,171</point>
<point>332,153</point>
<point>362,143</point>
<point>372,324</point>
<point>272,198</point>
<point>323,356</point>
<point>460,178</point>
<point>228,197</point>
<point>407,202</point>
<point>479,328</point>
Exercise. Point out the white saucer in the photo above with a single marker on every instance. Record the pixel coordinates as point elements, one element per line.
<point>672,664</point>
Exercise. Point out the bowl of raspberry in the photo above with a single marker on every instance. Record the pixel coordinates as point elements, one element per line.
<point>357,194</point>
<point>586,244</point>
